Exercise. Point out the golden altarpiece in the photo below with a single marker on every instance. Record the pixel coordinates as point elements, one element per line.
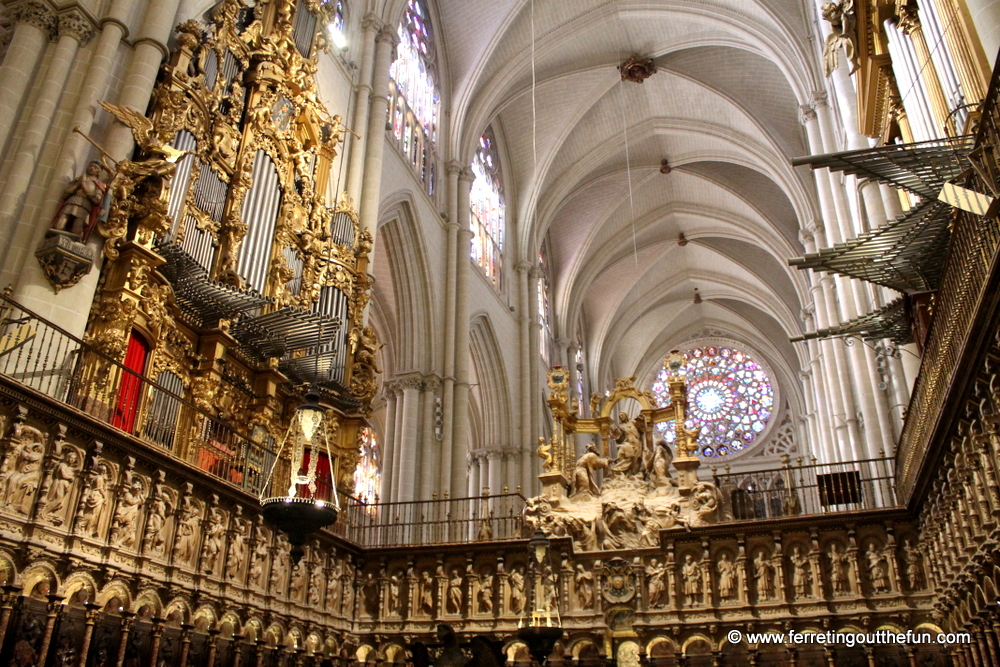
<point>233,272</point>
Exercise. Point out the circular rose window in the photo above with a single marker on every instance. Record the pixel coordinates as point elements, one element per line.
<point>729,399</point>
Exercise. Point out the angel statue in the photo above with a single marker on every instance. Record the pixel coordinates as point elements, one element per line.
<point>162,159</point>
<point>843,33</point>
<point>628,435</point>
<point>364,346</point>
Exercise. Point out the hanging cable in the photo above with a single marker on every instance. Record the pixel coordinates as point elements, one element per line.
<point>628,160</point>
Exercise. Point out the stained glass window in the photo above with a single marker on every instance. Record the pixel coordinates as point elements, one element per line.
<point>487,209</point>
<point>367,476</point>
<point>730,399</point>
<point>336,25</point>
<point>413,92</point>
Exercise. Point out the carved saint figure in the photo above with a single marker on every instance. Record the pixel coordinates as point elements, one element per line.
<point>655,580</point>
<point>299,580</point>
<point>63,476</point>
<point>727,577</point>
<point>215,539</point>
<point>584,581</point>
<point>550,589</point>
<point>691,573</point>
<point>628,436</point>
<point>914,575</point>
<point>93,501</point>
<point>126,520</point>
<point>258,562</point>
<point>81,203</point>
<point>583,474</point>
<point>843,34</point>
<point>517,593</point>
<point>426,592</point>
<point>801,578</point>
<point>763,574</point>
<point>237,549</point>
<point>159,509</point>
<point>186,545</point>
<point>26,470</point>
<point>485,594</point>
<point>315,592</point>
<point>369,592</point>
<point>333,586</point>
<point>455,592</point>
<point>838,570</point>
<point>877,570</point>
<point>394,601</point>
<point>660,476</point>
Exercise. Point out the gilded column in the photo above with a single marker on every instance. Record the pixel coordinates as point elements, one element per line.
<point>370,27</point>
<point>385,44</point>
<point>35,23</point>
<point>460,443</point>
<point>74,30</point>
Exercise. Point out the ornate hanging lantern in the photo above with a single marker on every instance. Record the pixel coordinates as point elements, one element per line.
<point>544,630</point>
<point>300,496</point>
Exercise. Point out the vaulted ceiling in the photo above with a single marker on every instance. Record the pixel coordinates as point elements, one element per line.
<point>722,108</point>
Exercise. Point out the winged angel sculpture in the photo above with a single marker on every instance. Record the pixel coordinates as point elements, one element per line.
<point>139,188</point>
<point>843,33</point>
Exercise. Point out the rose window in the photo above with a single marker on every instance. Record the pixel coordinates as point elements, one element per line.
<point>729,399</point>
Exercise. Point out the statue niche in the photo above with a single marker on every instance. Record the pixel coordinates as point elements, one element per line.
<point>640,495</point>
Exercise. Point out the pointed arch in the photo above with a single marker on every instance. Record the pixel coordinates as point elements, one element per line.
<point>492,390</point>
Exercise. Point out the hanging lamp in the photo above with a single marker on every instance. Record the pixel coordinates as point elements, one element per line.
<point>300,496</point>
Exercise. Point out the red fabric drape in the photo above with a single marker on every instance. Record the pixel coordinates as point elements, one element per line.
<point>324,487</point>
<point>130,389</point>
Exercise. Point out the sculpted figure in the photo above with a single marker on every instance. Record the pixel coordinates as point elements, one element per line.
<point>258,563</point>
<point>706,503</point>
<point>660,476</point>
<point>655,580</point>
<point>691,573</point>
<point>550,587</point>
<point>93,501</point>
<point>333,586</point>
<point>186,543</point>
<point>838,570</point>
<point>843,34</point>
<point>26,471</point>
<point>584,484</point>
<point>237,549</point>
<point>517,593</point>
<point>801,577</point>
<point>485,594</point>
<point>877,570</point>
<point>455,592</point>
<point>628,436</point>
<point>763,574</point>
<point>280,565</point>
<point>315,591</point>
<point>126,519</point>
<point>81,203</point>
<point>727,577</point>
<point>369,593</point>
<point>299,580</point>
<point>63,476</point>
<point>394,601</point>
<point>159,509</point>
<point>584,581</point>
<point>426,592</point>
<point>215,539</point>
<point>914,575</point>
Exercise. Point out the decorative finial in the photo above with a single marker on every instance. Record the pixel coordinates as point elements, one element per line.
<point>637,69</point>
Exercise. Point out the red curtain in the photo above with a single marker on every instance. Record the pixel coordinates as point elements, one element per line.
<point>324,485</point>
<point>130,389</point>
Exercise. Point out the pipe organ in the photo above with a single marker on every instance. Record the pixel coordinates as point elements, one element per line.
<point>227,249</point>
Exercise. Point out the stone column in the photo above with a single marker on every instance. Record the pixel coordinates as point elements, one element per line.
<point>370,27</point>
<point>496,472</point>
<point>530,480</point>
<point>475,486</point>
<point>524,338</point>
<point>407,438</point>
<point>74,30</point>
<point>430,451</point>
<point>388,461</point>
<point>448,382</point>
<point>463,266</point>
<point>397,447</point>
<point>371,187</point>
<point>35,23</point>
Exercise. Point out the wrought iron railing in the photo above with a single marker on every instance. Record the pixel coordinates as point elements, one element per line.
<point>442,521</point>
<point>802,490</point>
<point>972,257</point>
<point>50,360</point>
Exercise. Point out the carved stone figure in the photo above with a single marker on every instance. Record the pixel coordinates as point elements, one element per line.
<point>215,539</point>
<point>81,203</point>
<point>315,590</point>
<point>237,548</point>
<point>550,588</point>
<point>300,579</point>
<point>64,475</point>
<point>656,584</point>
<point>25,469</point>
<point>727,577</point>
<point>660,476</point>
<point>455,592</point>
<point>485,595</point>
<point>126,518</point>
<point>691,574</point>
<point>517,593</point>
<point>838,570</point>
<point>914,574</point>
<point>627,433</point>
<point>705,504</point>
<point>583,474</point>
<point>426,592</point>
<point>93,500</point>
<point>394,600</point>
<point>801,576</point>
<point>160,507</point>
<point>188,531</point>
<point>258,561</point>
<point>763,573</point>
<point>333,586</point>
<point>369,594</point>
<point>584,581</point>
<point>877,569</point>
<point>843,34</point>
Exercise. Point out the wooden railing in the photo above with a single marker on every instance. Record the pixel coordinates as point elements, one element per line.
<point>951,349</point>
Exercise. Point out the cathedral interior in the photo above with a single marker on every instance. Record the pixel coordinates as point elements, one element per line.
<point>580,333</point>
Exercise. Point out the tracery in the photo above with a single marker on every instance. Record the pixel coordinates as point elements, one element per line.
<point>488,210</point>
<point>731,399</point>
